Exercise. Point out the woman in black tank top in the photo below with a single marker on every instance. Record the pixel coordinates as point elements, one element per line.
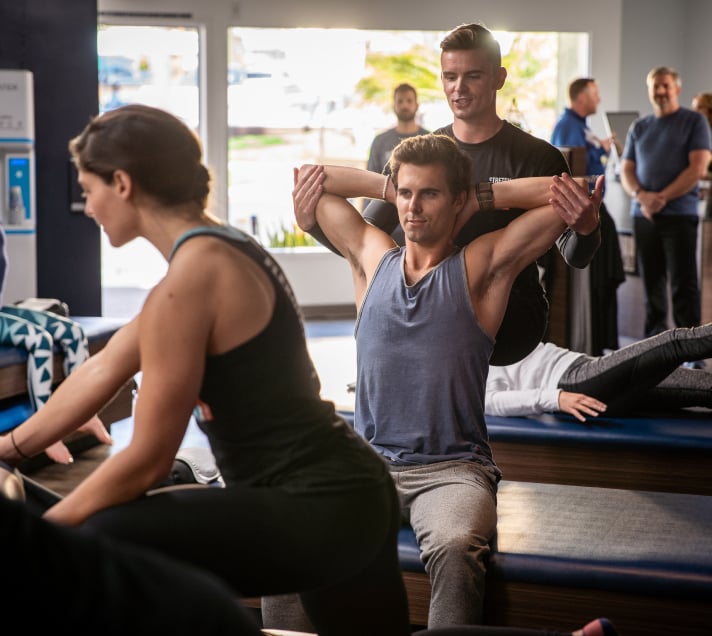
<point>306,506</point>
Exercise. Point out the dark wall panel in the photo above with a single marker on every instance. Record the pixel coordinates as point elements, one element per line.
<point>57,42</point>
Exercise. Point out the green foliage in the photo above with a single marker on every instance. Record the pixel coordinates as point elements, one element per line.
<point>531,80</point>
<point>420,66</point>
<point>290,237</point>
<point>240,142</point>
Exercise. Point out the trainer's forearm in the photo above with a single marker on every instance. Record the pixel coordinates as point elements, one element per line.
<point>353,182</point>
<point>525,193</point>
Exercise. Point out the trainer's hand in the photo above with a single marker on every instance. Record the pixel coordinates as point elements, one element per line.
<point>579,405</point>
<point>578,209</point>
<point>307,190</point>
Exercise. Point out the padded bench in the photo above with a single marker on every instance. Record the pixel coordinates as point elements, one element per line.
<point>666,452</point>
<point>564,554</point>
<point>15,406</point>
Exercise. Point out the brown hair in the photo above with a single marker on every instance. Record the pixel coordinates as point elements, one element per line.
<point>472,37</point>
<point>704,102</point>
<point>405,88</point>
<point>430,149</point>
<point>578,86</point>
<point>160,153</point>
<point>663,70</point>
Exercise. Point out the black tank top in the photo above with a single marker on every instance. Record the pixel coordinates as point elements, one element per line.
<point>270,425</point>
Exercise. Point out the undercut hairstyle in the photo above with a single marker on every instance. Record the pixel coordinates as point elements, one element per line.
<point>578,86</point>
<point>160,153</point>
<point>473,37</point>
<point>432,150</point>
<point>663,70</point>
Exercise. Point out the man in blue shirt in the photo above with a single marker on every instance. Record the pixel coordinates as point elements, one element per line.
<point>572,129</point>
<point>606,268</point>
<point>665,156</point>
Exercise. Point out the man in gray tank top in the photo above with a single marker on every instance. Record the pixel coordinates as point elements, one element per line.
<point>428,313</point>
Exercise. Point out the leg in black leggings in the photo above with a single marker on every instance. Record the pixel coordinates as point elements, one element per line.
<point>337,548</point>
<point>58,579</point>
<point>622,377</point>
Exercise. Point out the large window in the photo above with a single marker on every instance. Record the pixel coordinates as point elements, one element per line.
<point>157,66</point>
<point>301,95</point>
<point>320,95</point>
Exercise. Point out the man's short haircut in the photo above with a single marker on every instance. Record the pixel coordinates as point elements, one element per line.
<point>428,150</point>
<point>663,70</point>
<point>578,86</point>
<point>473,37</point>
<point>403,88</point>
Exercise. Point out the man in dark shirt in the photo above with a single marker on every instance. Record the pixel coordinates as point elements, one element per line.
<point>471,75</point>
<point>405,107</point>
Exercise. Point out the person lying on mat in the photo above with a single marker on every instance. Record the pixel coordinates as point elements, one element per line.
<point>646,374</point>
<point>308,507</point>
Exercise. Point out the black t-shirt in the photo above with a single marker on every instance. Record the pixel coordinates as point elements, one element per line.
<point>510,154</point>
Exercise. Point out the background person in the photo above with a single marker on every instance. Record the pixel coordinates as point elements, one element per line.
<point>572,128</point>
<point>606,268</point>
<point>702,103</point>
<point>405,107</point>
<point>665,156</point>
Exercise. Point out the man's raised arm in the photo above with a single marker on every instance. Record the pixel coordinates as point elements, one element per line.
<point>530,235</point>
<point>320,200</point>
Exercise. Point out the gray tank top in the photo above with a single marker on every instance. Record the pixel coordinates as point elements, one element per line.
<point>422,366</point>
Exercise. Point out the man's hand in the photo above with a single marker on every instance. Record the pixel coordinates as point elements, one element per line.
<point>307,190</point>
<point>579,405</point>
<point>650,203</point>
<point>575,206</point>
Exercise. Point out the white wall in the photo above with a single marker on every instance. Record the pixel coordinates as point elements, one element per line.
<point>664,33</point>
<point>318,277</point>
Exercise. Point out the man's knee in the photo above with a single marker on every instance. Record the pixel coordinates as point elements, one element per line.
<point>456,549</point>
